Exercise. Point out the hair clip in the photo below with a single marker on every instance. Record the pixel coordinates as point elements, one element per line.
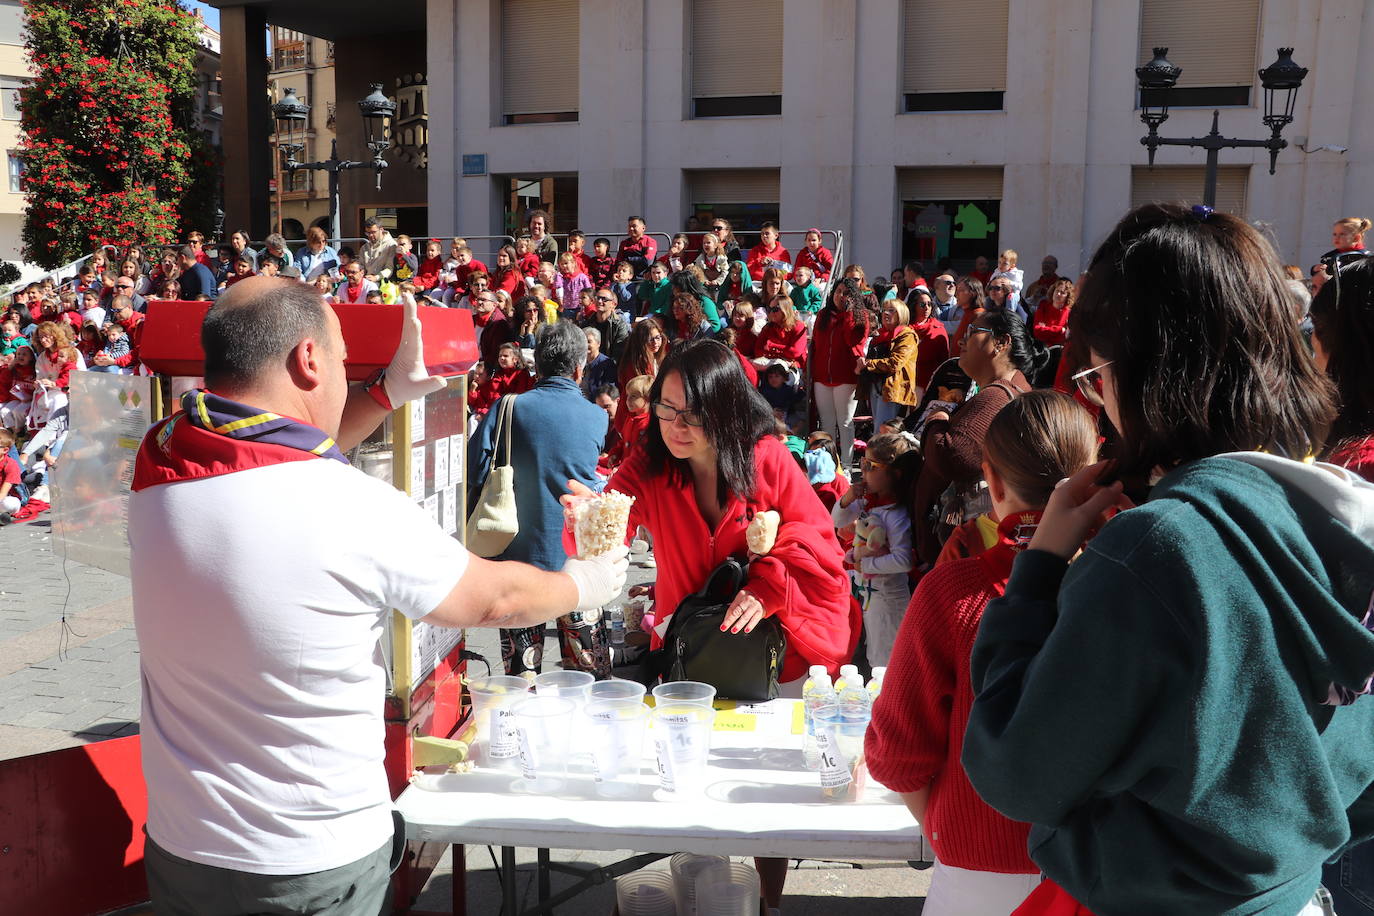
<point>1201,212</point>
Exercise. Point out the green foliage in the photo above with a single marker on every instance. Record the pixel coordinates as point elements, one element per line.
<point>110,152</point>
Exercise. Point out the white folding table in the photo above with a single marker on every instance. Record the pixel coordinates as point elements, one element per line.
<point>759,800</point>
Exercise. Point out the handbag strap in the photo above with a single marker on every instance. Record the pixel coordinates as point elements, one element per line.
<point>505,419</point>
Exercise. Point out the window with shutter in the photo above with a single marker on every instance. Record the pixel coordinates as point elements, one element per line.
<point>959,183</point>
<point>1214,42</point>
<point>1183,185</point>
<point>746,197</point>
<point>938,74</point>
<point>736,66</point>
<point>540,44</point>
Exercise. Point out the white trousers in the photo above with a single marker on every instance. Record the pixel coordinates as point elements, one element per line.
<point>883,613</point>
<point>963,892</point>
<point>835,404</point>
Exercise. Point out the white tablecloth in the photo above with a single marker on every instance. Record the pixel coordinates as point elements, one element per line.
<point>760,800</point>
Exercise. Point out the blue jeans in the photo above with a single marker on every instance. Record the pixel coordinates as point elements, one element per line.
<point>1350,879</point>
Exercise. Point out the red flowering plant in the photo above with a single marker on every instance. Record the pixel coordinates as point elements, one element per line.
<point>110,152</point>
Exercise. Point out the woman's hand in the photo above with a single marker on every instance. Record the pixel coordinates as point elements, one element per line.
<point>1077,508</point>
<point>577,492</point>
<point>744,613</point>
<point>860,365</point>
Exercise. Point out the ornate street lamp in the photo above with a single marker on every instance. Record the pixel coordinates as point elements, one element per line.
<point>291,115</point>
<point>1157,80</point>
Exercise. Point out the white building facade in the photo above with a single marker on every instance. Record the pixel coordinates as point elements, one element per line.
<point>919,128</point>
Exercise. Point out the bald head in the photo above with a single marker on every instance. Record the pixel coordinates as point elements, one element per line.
<point>252,329</point>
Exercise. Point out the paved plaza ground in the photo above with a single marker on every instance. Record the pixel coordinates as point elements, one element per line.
<point>63,685</point>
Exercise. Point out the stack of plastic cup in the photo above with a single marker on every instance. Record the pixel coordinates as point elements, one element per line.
<point>616,729</point>
<point>544,724</point>
<point>732,891</point>
<point>679,692</point>
<point>493,698</point>
<point>645,893</point>
<point>572,684</point>
<point>686,870</point>
<point>682,743</point>
<point>616,689</point>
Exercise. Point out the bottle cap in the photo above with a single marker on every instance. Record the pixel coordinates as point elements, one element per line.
<point>817,670</point>
<point>848,670</point>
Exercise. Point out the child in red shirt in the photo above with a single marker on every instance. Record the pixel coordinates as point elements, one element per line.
<point>815,256</point>
<point>602,264</point>
<point>1051,322</point>
<point>426,278</point>
<point>768,253</point>
<point>917,733</point>
<point>525,257</point>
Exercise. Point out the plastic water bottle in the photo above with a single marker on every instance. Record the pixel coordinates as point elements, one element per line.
<point>849,677</point>
<point>615,622</point>
<point>856,695</point>
<point>821,694</point>
<point>813,674</point>
<point>875,683</point>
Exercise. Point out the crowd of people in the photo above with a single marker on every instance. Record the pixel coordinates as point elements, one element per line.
<point>1076,519</point>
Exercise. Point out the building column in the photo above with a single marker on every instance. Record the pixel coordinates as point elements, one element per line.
<point>247,152</point>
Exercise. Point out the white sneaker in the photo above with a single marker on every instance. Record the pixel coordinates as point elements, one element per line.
<point>41,494</point>
<point>639,545</point>
<point>648,562</point>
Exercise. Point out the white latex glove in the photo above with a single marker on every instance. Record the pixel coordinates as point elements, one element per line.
<point>598,579</point>
<point>406,377</point>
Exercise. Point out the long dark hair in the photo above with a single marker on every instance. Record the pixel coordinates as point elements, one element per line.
<point>735,416</point>
<point>1027,354</point>
<point>1343,323</point>
<point>1195,314</point>
<point>846,296</point>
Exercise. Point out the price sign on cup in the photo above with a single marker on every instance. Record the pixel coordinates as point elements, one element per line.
<point>504,742</point>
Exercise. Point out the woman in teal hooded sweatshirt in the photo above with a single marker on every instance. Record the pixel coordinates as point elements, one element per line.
<point>1181,712</point>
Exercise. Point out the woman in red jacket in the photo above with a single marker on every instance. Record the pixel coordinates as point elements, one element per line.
<point>507,275</point>
<point>933,338</point>
<point>1051,322</point>
<point>842,327</point>
<point>709,463</point>
<point>917,734</point>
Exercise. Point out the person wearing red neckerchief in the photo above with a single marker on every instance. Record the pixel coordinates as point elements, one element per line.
<point>914,742</point>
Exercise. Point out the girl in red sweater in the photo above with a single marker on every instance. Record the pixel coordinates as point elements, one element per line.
<point>1051,322</point>
<point>783,338</point>
<point>917,734</point>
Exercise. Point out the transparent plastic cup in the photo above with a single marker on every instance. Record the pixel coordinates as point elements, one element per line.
<point>729,891</point>
<point>687,869</point>
<point>645,893</point>
<point>616,689</point>
<point>544,725</point>
<point>679,692</point>
<point>573,684</point>
<point>840,732</point>
<point>493,697</point>
<point>682,744</point>
<point>616,731</point>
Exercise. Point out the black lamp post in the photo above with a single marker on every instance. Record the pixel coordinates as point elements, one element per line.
<point>1281,81</point>
<point>291,115</point>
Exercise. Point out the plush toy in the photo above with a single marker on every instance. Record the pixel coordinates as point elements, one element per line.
<point>868,533</point>
<point>762,532</point>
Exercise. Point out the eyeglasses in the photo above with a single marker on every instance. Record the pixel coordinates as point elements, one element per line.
<point>124,286</point>
<point>981,330</point>
<point>1089,383</point>
<point>944,282</point>
<point>669,414</point>
<point>719,228</point>
<point>605,298</point>
<point>869,464</point>
<point>774,308</point>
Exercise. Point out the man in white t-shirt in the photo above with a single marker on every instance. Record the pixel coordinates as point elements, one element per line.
<point>263,566</point>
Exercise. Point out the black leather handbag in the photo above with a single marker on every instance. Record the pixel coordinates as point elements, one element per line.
<point>741,666</point>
